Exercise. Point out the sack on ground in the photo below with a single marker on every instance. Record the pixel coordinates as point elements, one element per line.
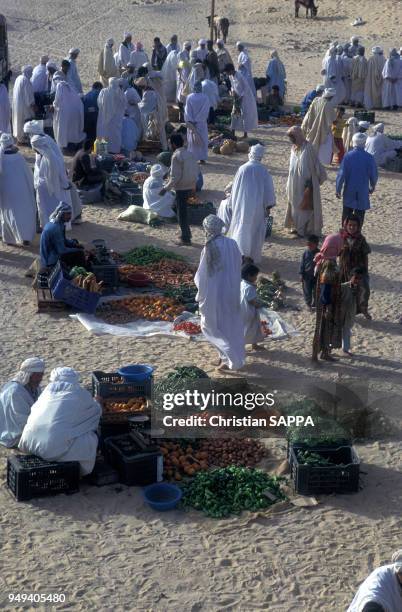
<point>137,214</point>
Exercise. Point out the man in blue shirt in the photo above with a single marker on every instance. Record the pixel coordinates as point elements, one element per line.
<point>357,177</point>
<point>53,242</point>
<point>90,101</point>
<point>309,97</point>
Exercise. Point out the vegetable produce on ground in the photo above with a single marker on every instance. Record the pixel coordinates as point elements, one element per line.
<point>180,461</point>
<point>225,491</point>
<point>146,255</point>
<point>192,329</point>
<point>271,292</point>
<point>232,451</point>
<point>178,380</point>
<point>164,273</point>
<point>149,307</point>
<point>266,331</point>
<point>135,404</point>
<point>182,293</point>
<point>309,458</point>
<point>326,431</point>
<point>88,282</point>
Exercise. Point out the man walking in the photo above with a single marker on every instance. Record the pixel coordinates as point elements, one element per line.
<point>183,176</point>
<point>357,177</point>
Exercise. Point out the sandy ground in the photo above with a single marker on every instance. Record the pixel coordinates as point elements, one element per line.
<point>103,548</point>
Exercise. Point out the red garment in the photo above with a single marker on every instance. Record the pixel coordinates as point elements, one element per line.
<point>338,157</point>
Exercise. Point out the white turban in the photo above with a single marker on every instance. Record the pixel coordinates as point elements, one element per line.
<point>239,44</point>
<point>320,88</point>
<point>379,128</point>
<point>213,227</point>
<point>74,51</point>
<point>158,171</point>
<point>62,208</point>
<point>34,128</point>
<point>397,561</point>
<point>220,41</point>
<point>28,367</point>
<point>364,125</point>
<point>68,375</point>
<point>186,44</point>
<point>6,141</point>
<point>110,42</point>
<point>202,41</point>
<point>27,71</point>
<point>359,140</point>
<point>256,153</point>
<point>329,93</point>
<point>59,76</point>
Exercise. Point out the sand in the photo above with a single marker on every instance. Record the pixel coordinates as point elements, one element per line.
<point>102,547</point>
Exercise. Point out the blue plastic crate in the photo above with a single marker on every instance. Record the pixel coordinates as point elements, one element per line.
<point>63,289</point>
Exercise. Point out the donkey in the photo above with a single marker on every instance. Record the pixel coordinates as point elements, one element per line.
<point>221,27</point>
<point>308,5</point>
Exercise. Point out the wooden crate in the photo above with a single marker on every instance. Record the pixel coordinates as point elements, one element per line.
<point>46,302</point>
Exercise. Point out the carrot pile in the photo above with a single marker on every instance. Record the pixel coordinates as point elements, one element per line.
<point>164,273</point>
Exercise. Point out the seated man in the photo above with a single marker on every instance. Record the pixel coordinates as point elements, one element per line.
<point>82,173</point>
<point>63,422</point>
<point>381,146</point>
<point>16,399</point>
<point>55,246</point>
<point>162,205</point>
<point>274,101</point>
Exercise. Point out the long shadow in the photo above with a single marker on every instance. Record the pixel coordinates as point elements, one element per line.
<point>381,326</point>
<point>383,283</point>
<point>386,249</point>
<point>379,361</point>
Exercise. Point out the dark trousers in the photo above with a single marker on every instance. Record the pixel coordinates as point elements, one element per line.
<point>73,258</point>
<point>347,212</point>
<point>309,285</point>
<point>211,116</point>
<point>182,217</point>
<point>181,112</point>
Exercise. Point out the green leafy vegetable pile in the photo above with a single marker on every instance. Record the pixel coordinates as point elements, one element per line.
<point>146,255</point>
<point>178,380</point>
<point>225,491</point>
<point>309,458</point>
<point>185,294</point>
<point>271,292</point>
<point>325,432</point>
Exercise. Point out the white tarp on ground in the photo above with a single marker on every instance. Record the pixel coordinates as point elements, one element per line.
<point>141,328</point>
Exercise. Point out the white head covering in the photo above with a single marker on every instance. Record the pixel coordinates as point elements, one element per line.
<point>397,561</point>
<point>28,367</point>
<point>62,208</point>
<point>52,164</point>
<point>213,227</point>
<point>109,42</point>
<point>256,153</point>
<point>74,51</point>
<point>202,41</point>
<point>379,128</point>
<point>6,141</point>
<point>157,171</point>
<point>68,375</point>
<point>59,77</point>
<point>239,44</point>
<point>186,44</point>
<point>34,127</point>
<point>220,41</point>
<point>364,125</point>
<point>27,71</point>
<point>320,88</point>
<point>359,140</point>
<point>329,93</point>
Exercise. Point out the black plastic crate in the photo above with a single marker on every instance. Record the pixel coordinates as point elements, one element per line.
<point>317,446</point>
<point>29,476</point>
<point>137,463</point>
<point>363,115</point>
<point>111,384</point>
<point>131,197</point>
<point>103,474</point>
<point>196,213</point>
<point>315,480</point>
<point>107,273</point>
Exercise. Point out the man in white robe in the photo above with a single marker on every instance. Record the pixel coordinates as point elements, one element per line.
<point>196,114</point>
<point>39,76</point>
<point>399,82</point>
<point>23,102</point>
<point>112,105</point>
<point>68,119</point>
<point>50,178</point>
<point>201,51</point>
<point>17,195</point>
<point>210,89</point>
<point>390,75</point>
<point>16,399</point>
<point>244,115</point>
<point>63,422</point>
<point>317,125</point>
<point>73,75</point>
<point>253,196</point>
<point>332,71</point>
<point>245,61</point>
<point>382,588</point>
<point>218,282</point>
<point>350,129</point>
<point>373,84</point>
<point>381,147</point>
<point>169,75</point>
<point>5,110</point>
<point>359,75</point>
<point>132,110</point>
<point>138,57</point>
<point>153,112</point>
<point>125,50</point>
<point>223,55</point>
<point>106,64</point>
<point>306,175</point>
<point>160,204</point>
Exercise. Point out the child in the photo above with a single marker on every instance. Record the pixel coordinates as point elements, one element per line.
<point>337,131</point>
<point>250,304</point>
<point>274,102</point>
<point>349,296</point>
<point>306,271</point>
<point>354,254</point>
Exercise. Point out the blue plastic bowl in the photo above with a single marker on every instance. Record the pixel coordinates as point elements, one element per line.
<point>136,373</point>
<point>162,496</point>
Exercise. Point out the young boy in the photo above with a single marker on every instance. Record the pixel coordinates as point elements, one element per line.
<point>274,101</point>
<point>306,271</point>
<point>250,304</point>
<point>354,254</point>
<point>337,131</point>
<point>349,296</point>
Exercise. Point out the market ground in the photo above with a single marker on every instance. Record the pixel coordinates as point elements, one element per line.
<point>103,548</point>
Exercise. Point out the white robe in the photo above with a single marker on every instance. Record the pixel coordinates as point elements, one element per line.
<point>161,205</point>
<point>399,85</point>
<point>138,58</point>
<point>248,119</point>
<point>210,89</point>
<point>15,407</point>
<point>73,78</point>
<point>373,83</point>
<point>252,193</point>
<point>112,105</point>
<point>382,148</point>
<point>169,75</point>
<point>333,66</point>
<point>250,314</point>
<point>389,89</point>
<point>39,78</point>
<point>218,298</point>
<point>107,66</point>
<point>347,77</point>
<point>23,98</point>
<point>17,200</point>
<point>224,212</point>
<point>62,426</point>
<point>244,60</point>
<point>68,120</point>
<point>49,193</point>
<point>124,53</point>
<point>196,114</point>
<point>5,110</point>
<point>381,587</point>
